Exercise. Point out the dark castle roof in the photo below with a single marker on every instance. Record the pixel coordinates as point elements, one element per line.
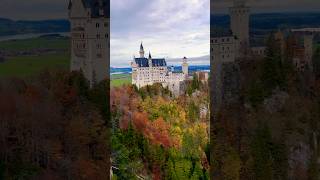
<point>95,6</point>
<point>144,62</point>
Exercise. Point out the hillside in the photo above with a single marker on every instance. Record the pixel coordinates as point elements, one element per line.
<point>158,136</point>
<point>271,128</point>
<point>54,127</point>
<point>261,24</point>
<point>10,27</point>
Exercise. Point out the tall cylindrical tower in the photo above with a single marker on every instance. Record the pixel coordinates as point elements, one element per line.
<point>308,48</point>
<point>239,19</point>
<point>185,67</point>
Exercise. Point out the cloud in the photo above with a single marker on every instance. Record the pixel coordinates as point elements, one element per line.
<point>202,60</point>
<point>170,30</point>
<point>33,9</point>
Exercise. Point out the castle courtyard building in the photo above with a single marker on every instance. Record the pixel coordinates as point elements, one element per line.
<point>148,71</point>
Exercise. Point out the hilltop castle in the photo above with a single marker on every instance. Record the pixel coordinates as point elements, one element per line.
<point>232,44</point>
<point>147,71</point>
<point>90,48</point>
<point>229,46</point>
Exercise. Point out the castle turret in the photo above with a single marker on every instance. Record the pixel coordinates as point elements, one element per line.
<point>185,67</point>
<point>141,51</point>
<point>239,19</point>
<point>150,60</point>
<point>308,46</point>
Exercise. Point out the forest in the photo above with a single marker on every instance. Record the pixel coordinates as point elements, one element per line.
<point>53,126</point>
<point>158,136</point>
<point>273,130</point>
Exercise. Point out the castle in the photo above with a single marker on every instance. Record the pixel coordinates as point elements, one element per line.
<point>148,71</point>
<point>230,45</point>
<point>90,47</point>
<point>233,45</point>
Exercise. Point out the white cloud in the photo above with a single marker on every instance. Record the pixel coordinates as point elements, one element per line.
<point>33,9</point>
<point>167,29</point>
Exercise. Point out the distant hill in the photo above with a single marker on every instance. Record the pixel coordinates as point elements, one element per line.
<point>10,27</point>
<point>266,22</point>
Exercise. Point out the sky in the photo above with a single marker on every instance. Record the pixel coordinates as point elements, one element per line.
<point>168,30</point>
<point>56,9</point>
<point>33,9</point>
<point>261,6</point>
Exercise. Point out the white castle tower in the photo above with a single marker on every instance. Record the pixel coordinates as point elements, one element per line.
<point>239,17</point>
<point>185,67</point>
<point>90,47</point>
<point>308,46</point>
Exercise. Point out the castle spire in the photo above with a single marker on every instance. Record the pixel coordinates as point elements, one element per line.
<point>150,60</point>
<point>149,55</point>
<point>70,4</point>
<point>141,51</point>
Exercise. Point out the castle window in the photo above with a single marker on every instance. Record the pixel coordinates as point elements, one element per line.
<point>97,25</point>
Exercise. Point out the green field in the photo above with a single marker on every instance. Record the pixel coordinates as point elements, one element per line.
<point>34,43</point>
<point>120,79</point>
<point>23,66</point>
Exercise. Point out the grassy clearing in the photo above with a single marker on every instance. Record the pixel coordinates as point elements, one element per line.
<point>23,66</point>
<point>34,43</point>
<point>120,80</point>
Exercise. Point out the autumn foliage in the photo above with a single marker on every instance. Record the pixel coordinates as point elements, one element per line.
<point>158,134</point>
<point>50,129</point>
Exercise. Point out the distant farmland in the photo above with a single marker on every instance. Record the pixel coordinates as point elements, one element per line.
<point>30,65</point>
<point>120,80</point>
<point>27,57</point>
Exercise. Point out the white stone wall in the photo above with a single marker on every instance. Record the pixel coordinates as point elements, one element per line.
<point>143,76</point>
<point>223,49</point>
<point>90,47</point>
